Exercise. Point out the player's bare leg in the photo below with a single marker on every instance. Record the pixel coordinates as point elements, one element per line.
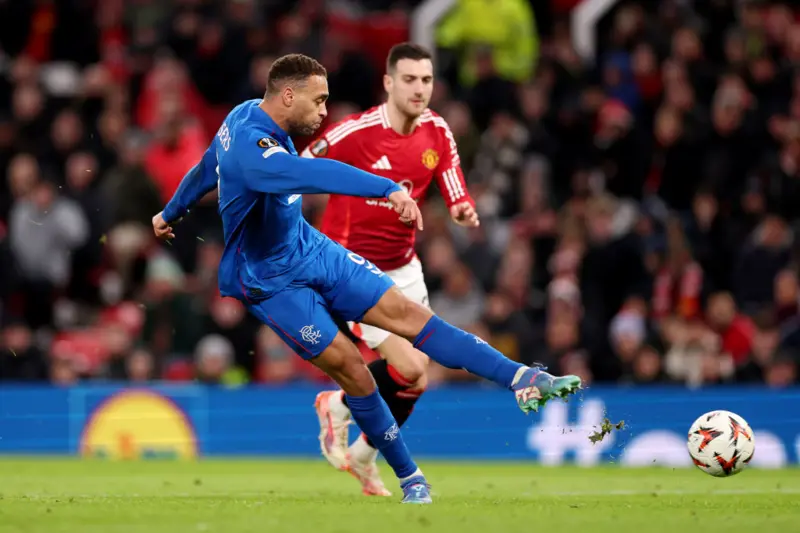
<point>454,348</point>
<point>401,382</point>
<point>339,362</point>
<point>342,361</point>
<point>408,368</point>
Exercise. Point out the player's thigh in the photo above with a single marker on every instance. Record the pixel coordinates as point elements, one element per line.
<point>352,285</point>
<point>397,313</point>
<point>300,317</point>
<point>399,352</point>
<point>411,282</point>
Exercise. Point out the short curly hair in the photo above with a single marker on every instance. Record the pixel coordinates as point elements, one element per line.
<point>292,69</point>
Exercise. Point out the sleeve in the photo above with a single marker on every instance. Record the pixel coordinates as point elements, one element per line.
<point>276,171</point>
<point>199,181</point>
<point>448,173</point>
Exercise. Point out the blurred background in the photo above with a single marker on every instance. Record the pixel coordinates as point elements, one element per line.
<point>636,165</point>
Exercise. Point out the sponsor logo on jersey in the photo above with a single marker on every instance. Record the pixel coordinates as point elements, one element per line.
<point>138,424</point>
<point>382,164</point>
<point>266,142</point>
<point>430,158</point>
<point>319,148</point>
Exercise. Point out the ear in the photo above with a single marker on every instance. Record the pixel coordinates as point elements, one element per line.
<point>287,95</point>
<point>388,82</point>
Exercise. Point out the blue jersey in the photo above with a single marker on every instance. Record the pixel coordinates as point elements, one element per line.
<point>260,178</point>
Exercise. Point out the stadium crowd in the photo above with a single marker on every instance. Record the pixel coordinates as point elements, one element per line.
<point>638,214</point>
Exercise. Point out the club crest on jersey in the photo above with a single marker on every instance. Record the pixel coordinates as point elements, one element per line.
<point>430,158</point>
<point>319,148</point>
<point>266,142</point>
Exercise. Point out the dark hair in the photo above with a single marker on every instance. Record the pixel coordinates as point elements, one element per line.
<point>291,69</point>
<point>411,51</point>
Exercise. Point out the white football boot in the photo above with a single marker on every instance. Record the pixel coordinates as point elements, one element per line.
<point>362,464</point>
<point>334,422</point>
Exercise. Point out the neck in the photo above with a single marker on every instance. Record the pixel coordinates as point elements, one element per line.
<point>400,122</point>
<point>268,106</point>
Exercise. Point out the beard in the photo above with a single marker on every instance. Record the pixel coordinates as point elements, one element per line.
<point>303,129</point>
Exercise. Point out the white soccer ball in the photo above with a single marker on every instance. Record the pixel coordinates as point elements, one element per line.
<point>721,443</point>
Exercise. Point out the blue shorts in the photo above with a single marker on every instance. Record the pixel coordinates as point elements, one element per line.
<point>337,281</point>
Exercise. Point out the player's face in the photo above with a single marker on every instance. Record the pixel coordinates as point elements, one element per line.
<point>308,106</point>
<point>410,86</point>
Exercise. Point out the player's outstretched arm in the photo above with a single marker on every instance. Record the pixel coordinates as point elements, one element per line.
<point>278,172</point>
<point>199,181</point>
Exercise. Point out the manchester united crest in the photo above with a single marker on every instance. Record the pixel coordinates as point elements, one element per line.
<point>430,158</point>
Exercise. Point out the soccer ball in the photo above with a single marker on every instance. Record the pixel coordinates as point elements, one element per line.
<point>721,443</point>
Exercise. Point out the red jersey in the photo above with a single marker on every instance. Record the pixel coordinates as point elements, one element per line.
<point>369,226</point>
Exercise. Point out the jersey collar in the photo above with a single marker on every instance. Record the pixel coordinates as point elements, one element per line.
<point>275,131</point>
<point>384,114</point>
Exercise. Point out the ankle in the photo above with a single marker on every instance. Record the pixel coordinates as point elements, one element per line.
<point>519,375</point>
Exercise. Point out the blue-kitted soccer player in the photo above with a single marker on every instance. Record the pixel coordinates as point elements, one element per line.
<point>293,278</point>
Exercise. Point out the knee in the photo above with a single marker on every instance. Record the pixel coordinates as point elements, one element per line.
<point>413,370</point>
<point>420,383</point>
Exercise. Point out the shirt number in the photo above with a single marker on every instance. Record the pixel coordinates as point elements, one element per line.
<point>224,135</point>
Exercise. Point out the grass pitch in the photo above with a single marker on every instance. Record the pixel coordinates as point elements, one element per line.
<point>52,496</point>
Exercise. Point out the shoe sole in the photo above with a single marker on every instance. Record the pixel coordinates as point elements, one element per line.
<point>568,390</point>
<point>562,393</point>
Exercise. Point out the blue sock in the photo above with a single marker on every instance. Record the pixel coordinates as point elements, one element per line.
<point>376,421</point>
<point>455,348</point>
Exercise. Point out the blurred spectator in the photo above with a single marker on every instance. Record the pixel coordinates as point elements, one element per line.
<point>214,363</point>
<point>460,301</point>
<point>45,228</point>
<point>678,285</point>
<point>766,339</point>
<point>612,273</point>
<point>20,359</point>
<point>766,253</point>
<point>179,144</point>
<point>128,191</point>
<point>140,366</point>
<point>510,31</point>
<point>735,329</point>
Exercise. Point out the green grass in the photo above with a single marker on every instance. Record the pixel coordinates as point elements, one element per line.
<point>51,496</point>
